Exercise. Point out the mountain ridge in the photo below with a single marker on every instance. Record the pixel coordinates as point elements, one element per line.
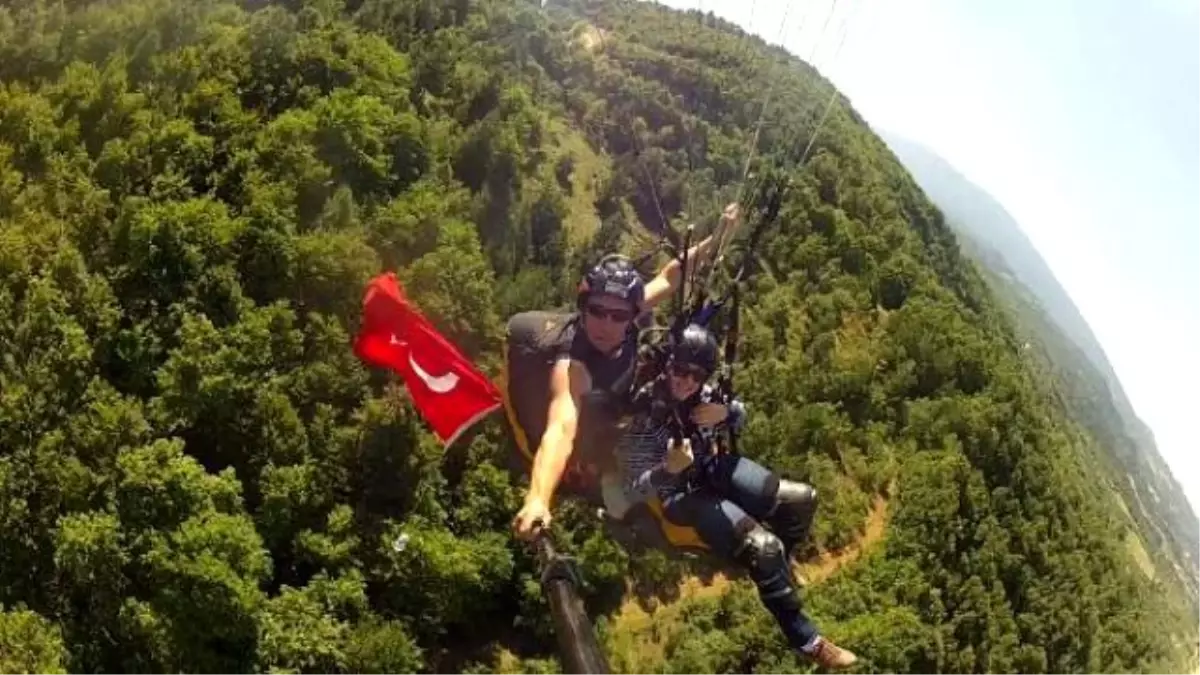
<point>1031,267</point>
<point>992,236</point>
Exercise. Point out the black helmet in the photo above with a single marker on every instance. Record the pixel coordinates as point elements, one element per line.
<point>614,275</point>
<point>696,346</point>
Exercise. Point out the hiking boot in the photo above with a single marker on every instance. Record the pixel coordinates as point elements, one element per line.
<point>829,655</point>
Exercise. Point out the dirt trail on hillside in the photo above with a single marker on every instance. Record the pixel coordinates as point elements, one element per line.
<point>831,561</point>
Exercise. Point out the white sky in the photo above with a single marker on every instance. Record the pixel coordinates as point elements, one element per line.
<point>1082,117</point>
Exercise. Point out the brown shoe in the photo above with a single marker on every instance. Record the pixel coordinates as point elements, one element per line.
<point>829,655</point>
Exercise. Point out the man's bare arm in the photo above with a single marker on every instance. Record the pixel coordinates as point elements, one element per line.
<point>671,275</point>
<point>568,381</point>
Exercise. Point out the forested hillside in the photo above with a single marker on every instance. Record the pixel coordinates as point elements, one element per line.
<point>196,474</point>
<point>995,239</point>
<point>1064,348</point>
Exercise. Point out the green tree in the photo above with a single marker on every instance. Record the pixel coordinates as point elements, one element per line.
<point>30,644</point>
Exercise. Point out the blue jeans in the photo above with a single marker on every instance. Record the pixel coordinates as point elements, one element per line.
<point>727,497</point>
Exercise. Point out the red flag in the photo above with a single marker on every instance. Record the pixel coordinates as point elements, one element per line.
<point>445,386</point>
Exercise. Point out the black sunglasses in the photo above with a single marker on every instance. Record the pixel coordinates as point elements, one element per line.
<point>614,315</point>
<point>687,370</point>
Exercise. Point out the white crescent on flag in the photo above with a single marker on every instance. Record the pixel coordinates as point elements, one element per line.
<point>439,384</point>
<point>442,384</point>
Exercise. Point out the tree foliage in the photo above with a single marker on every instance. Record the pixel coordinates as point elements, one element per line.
<point>197,474</point>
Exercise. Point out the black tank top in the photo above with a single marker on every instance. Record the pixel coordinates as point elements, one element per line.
<point>537,340</point>
<point>606,371</point>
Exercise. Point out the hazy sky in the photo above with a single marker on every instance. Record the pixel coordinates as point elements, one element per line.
<point>1082,117</point>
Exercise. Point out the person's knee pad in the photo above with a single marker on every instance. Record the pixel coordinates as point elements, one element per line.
<point>766,559</point>
<point>794,497</point>
<point>795,506</point>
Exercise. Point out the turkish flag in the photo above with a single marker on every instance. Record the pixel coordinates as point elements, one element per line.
<point>444,385</point>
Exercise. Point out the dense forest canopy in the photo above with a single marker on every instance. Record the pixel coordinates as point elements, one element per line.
<point>196,474</point>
